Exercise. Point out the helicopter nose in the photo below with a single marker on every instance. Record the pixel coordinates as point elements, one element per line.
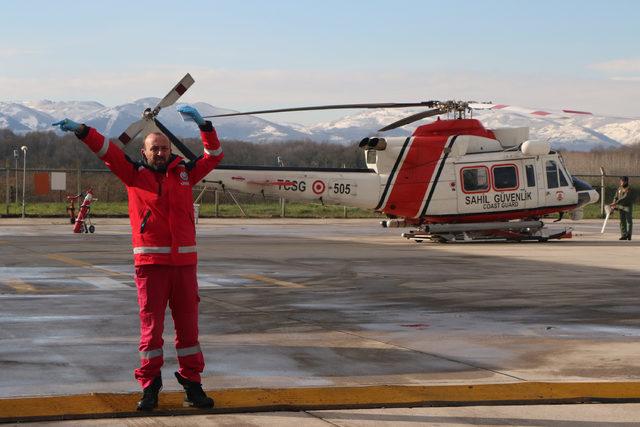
<point>586,193</point>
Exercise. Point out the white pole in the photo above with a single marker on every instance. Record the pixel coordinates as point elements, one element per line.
<point>15,156</point>
<point>24,175</point>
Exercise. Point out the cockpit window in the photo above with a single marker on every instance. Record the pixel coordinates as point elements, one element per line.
<point>556,175</point>
<point>563,180</point>
<point>552,174</point>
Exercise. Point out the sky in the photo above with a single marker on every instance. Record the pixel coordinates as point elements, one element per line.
<point>252,54</point>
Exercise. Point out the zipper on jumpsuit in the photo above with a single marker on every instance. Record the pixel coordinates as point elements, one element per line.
<point>148,213</point>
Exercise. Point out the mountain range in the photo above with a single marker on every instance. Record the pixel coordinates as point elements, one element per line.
<point>578,133</point>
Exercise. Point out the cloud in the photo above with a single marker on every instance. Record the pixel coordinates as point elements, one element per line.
<point>626,78</point>
<point>618,66</point>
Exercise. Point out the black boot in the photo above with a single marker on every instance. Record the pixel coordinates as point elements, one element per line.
<point>195,396</point>
<point>150,395</point>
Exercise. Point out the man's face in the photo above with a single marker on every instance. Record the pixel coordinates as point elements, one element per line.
<point>157,150</point>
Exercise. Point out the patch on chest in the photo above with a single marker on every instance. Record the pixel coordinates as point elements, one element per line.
<point>184,177</point>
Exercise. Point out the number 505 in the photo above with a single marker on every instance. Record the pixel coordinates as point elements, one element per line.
<point>340,188</point>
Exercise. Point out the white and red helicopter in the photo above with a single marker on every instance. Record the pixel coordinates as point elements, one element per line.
<point>452,179</point>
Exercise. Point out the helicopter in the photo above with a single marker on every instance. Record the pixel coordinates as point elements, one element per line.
<point>452,180</point>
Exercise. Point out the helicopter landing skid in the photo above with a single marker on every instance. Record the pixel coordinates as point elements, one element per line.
<point>542,234</point>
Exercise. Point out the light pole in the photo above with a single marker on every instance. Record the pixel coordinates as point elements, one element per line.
<point>24,174</point>
<point>15,156</point>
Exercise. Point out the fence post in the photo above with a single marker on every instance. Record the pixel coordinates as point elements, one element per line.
<point>216,197</point>
<point>6,177</point>
<point>15,155</point>
<point>345,212</point>
<point>602,195</point>
<point>282,209</point>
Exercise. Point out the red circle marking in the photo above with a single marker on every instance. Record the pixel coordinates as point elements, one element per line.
<point>318,187</point>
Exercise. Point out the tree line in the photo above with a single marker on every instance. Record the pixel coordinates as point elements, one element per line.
<point>617,161</point>
<point>50,150</point>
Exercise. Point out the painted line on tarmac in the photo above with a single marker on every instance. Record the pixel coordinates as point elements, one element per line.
<point>79,263</point>
<point>20,286</point>
<point>104,283</point>
<point>271,281</point>
<point>108,405</point>
<point>203,284</point>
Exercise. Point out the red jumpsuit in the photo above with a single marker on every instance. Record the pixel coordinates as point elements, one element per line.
<point>164,248</point>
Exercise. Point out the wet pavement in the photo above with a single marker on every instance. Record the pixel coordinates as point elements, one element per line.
<point>621,415</point>
<point>290,303</point>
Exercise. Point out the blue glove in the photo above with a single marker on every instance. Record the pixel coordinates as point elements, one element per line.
<point>190,113</point>
<point>67,125</point>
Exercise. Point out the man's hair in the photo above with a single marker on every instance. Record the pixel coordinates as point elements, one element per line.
<point>624,179</point>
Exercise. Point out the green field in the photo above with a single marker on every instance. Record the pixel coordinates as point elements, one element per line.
<point>252,210</point>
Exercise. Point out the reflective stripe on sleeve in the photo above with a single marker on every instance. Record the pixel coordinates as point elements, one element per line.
<point>152,250</point>
<point>188,351</point>
<point>150,354</point>
<point>104,148</point>
<point>214,152</point>
<point>186,249</point>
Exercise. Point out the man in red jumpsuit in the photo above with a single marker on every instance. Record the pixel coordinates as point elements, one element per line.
<point>164,248</point>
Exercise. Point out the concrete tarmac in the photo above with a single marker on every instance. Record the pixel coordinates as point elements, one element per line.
<point>323,303</point>
<point>586,415</point>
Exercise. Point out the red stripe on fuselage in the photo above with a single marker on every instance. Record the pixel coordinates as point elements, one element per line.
<point>414,176</point>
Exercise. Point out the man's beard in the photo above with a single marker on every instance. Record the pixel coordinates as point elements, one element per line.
<point>160,168</point>
<point>157,168</point>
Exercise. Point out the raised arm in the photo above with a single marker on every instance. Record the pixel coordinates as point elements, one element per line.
<point>112,156</point>
<point>200,167</point>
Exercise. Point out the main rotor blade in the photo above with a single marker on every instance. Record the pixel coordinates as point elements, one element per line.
<point>178,144</point>
<point>175,93</point>
<point>134,129</point>
<point>428,104</point>
<point>412,118</point>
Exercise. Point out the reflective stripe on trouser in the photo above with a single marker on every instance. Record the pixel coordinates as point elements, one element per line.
<point>162,250</point>
<point>177,285</point>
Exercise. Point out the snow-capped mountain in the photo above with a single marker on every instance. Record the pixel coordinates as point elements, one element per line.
<point>579,132</point>
<point>64,108</point>
<point>35,116</point>
<point>20,118</point>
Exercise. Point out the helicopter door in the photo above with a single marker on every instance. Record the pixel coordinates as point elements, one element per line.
<point>531,184</point>
<point>557,184</point>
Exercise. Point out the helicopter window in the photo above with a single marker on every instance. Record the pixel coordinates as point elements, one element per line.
<point>552,174</point>
<point>531,176</point>
<point>475,179</point>
<point>505,177</point>
<point>371,156</point>
<point>563,180</point>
